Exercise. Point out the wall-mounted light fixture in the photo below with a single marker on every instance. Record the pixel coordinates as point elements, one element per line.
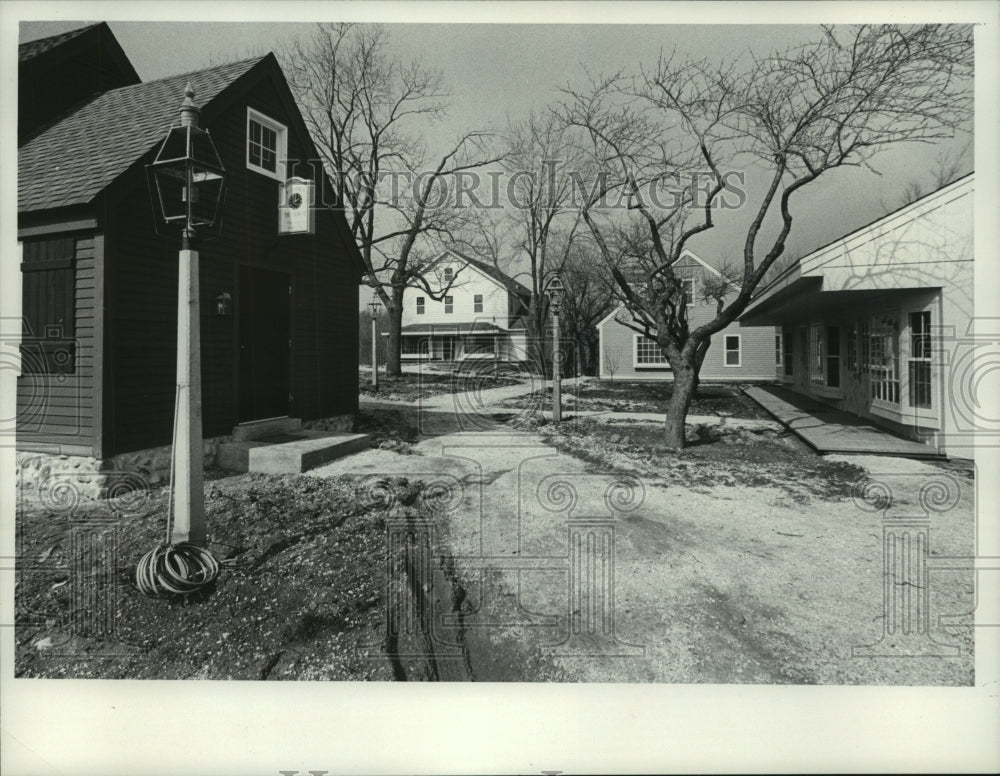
<point>223,305</point>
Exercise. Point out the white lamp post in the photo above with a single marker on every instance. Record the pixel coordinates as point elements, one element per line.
<point>187,181</point>
<point>555,291</point>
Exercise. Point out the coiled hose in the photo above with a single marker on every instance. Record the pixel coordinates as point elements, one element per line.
<point>175,569</point>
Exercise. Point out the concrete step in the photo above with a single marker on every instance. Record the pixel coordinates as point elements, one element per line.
<point>303,454</point>
<point>289,453</point>
<point>259,429</point>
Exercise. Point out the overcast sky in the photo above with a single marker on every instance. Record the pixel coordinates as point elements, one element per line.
<point>496,71</point>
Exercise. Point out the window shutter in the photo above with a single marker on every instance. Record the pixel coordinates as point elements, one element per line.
<point>48,306</point>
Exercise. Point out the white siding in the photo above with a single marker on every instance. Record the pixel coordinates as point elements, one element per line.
<point>469,281</point>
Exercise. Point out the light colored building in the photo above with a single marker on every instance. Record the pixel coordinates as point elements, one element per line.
<point>880,322</point>
<point>736,354</point>
<point>481,315</point>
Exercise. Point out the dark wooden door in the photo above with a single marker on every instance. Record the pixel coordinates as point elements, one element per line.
<point>265,364</point>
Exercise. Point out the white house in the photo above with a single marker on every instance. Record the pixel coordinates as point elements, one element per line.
<point>880,322</point>
<point>480,317</point>
<point>738,353</point>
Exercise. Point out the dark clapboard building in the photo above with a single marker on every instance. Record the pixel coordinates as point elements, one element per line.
<point>99,285</point>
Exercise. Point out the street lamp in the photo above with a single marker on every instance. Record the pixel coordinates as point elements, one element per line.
<point>187,183</point>
<point>373,305</point>
<point>555,290</point>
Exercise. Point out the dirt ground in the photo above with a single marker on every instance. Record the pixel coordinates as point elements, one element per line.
<point>514,549</point>
<point>300,590</point>
<point>745,559</point>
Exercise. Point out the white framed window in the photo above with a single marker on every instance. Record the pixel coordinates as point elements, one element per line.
<point>420,305</point>
<point>817,352</point>
<point>919,360</point>
<point>267,145</point>
<point>648,353</point>
<point>883,366</point>
<point>833,356</point>
<point>449,274</point>
<point>733,352</point>
<point>449,304</point>
<point>687,286</point>
<point>477,303</point>
<point>788,355</point>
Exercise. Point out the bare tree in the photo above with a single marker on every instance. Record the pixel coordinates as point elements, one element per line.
<point>948,167</point>
<point>586,301</point>
<point>792,115</point>
<point>539,159</point>
<point>366,110</point>
<point>612,361</point>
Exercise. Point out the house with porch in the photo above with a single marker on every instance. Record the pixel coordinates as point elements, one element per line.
<point>738,353</point>
<point>479,317</point>
<point>880,324</point>
<point>99,285</point>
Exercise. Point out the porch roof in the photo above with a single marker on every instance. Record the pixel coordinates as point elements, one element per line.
<point>470,327</point>
<point>924,244</point>
<point>806,298</point>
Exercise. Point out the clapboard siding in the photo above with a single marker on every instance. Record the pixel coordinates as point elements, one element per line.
<point>757,352</point>
<point>142,299</point>
<point>56,412</point>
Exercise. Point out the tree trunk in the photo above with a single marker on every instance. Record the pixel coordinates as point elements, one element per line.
<point>392,361</point>
<point>535,324</point>
<point>685,379</point>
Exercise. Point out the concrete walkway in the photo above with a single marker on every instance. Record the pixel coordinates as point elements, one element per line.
<point>480,397</point>
<point>828,430</point>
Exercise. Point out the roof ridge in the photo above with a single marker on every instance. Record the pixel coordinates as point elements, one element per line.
<point>212,68</point>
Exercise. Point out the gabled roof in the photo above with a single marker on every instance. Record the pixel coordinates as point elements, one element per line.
<point>685,254</point>
<point>490,271</point>
<point>688,254</point>
<point>810,263</point>
<point>33,48</point>
<point>77,157</point>
<point>58,74</point>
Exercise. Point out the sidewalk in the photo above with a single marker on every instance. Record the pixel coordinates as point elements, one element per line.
<point>828,430</point>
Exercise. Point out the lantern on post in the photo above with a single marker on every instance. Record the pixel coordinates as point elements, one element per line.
<point>555,291</point>
<point>187,179</point>
<point>187,186</point>
<point>373,305</point>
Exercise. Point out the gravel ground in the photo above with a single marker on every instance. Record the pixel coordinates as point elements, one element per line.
<point>749,559</point>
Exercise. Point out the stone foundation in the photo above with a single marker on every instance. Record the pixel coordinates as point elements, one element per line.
<point>81,476</point>
<point>335,423</point>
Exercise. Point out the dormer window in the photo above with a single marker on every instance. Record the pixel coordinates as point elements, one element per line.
<point>267,145</point>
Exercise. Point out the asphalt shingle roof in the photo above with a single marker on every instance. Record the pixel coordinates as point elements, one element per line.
<point>33,48</point>
<point>509,283</point>
<point>80,155</point>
